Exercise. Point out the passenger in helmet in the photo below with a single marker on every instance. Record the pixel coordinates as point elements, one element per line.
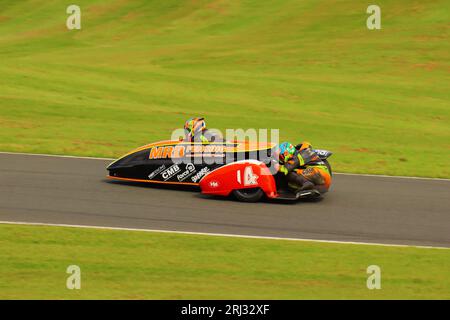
<point>195,131</point>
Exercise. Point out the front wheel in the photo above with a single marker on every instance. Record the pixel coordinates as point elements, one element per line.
<point>249,194</point>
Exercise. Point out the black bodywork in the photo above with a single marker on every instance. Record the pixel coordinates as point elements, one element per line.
<point>188,169</point>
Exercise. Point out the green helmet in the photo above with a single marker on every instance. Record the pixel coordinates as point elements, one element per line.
<point>287,151</point>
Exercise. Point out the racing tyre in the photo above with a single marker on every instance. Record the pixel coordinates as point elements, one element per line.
<point>248,195</point>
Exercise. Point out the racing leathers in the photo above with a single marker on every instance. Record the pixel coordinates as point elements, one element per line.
<point>305,170</point>
<point>207,136</point>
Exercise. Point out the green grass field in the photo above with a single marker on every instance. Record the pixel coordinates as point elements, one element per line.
<point>138,69</point>
<point>140,265</point>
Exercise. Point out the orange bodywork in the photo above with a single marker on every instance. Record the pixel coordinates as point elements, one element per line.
<point>326,176</point>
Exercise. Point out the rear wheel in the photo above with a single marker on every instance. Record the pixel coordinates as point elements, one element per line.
<point>249,194</point>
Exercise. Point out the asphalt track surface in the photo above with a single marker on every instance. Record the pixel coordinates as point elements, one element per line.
<point>370,209</point>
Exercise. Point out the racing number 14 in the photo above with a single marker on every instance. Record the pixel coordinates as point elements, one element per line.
<point>249,177</point>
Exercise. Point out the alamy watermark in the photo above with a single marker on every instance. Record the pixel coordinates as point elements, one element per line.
<point>74,280</point>
<point>214,147</point>
<point>374,20</point>
<point>73,22</point>
<point>374,280</point>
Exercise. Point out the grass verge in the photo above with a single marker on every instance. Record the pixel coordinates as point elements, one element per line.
<point>141,265</point>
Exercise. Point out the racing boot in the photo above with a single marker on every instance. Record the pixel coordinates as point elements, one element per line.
<point>308,185</point>
<point>297,182</point>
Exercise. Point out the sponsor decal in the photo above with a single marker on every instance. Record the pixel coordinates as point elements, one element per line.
<point>213,184</point>
<point>206,155</point>
<point>170,172</point>
<point>204,149</point>
<point>166,152</point>
<point>156,172</point>
<point>249,178</point>
<point>179,151</point>
<point>321,152</point>
<point>190,169</point>
<point>204,171</point>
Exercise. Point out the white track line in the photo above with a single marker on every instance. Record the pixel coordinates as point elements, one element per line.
<point>112,159</point>
<point>218,234</point>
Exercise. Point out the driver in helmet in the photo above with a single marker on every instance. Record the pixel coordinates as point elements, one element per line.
<point>195,131</point>
<point>302,166</point>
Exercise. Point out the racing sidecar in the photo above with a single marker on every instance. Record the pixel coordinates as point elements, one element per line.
<point>223,168</point>
<point>250,180</point>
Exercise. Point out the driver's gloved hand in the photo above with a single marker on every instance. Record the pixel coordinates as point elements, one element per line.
<point>283,169</point>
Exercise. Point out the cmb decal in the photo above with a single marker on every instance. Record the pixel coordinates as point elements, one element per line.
<point>170,172</point>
